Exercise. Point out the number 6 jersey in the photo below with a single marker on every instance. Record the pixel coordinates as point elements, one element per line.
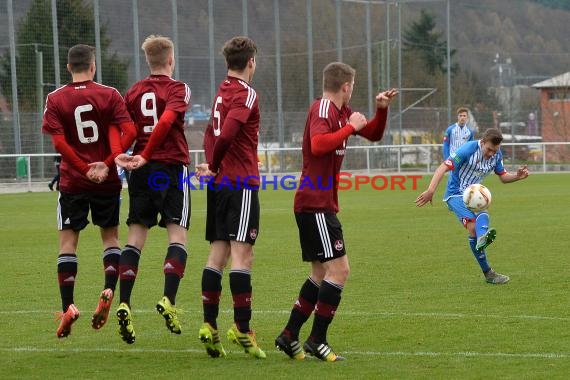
<point>82,112</point>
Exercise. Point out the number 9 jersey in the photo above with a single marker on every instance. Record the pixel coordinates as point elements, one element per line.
<point>82,112</point>
<point>146,101</point>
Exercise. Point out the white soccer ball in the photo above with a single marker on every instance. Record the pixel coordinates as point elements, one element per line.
<point>477,197</point>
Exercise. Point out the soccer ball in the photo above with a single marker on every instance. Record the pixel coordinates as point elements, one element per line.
<point>477,197</point>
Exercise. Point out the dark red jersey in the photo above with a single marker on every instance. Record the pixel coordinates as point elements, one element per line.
<point>146,101</point>
<point>82,112</point>
<point>235,102</point>
<point>317,190</point>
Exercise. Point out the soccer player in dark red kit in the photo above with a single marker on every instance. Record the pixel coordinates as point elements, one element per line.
<point>232,221</point>
<point>329,125</point>
<point>85,120</point>
<point>157,184</point>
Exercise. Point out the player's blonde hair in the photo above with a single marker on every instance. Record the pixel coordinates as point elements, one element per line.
<point>335,75</point>
<point>157,50</point>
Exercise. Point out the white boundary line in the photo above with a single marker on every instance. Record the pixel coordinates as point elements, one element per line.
<point>464,354</point>
<point>432,354</point>
<point>381,314</point>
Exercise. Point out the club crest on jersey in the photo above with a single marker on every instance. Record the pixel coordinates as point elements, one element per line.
<point>338,245</point>
<point>253,234</point>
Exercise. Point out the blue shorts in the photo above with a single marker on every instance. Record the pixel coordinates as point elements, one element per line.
<point>464,215</point>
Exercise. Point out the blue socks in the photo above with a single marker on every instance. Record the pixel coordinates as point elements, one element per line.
<point>480,256</point>
<point>481,224</point>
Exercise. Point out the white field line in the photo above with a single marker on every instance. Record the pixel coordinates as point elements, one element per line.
<point>464,354</point>
<point>381,314</point>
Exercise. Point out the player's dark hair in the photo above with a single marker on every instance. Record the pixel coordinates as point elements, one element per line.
<point>238,51</point>
<point>335,75</point>
<point>80,57</point>
<point>461,110</point>
<point>493,135</point>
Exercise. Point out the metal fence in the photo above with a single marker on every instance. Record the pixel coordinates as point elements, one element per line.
<point>31,172</point>
<point>296,39</point>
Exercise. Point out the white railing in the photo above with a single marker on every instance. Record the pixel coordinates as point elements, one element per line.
<point>384,158</point>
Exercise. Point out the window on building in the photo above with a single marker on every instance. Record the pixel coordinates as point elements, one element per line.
<point>560,95</point>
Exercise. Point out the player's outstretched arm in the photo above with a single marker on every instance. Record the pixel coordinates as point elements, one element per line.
<point>521,173</point>
<point>374,129</point>
<point>427,196</point>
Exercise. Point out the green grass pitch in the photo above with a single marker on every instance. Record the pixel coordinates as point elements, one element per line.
<point>415,305</point>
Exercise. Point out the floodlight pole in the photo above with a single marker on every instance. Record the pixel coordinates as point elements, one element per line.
<point>448,11</point>
<point>244,20</point>
<point>400,73</point>
<point>175,38</point>
<point>15,109</point>
<point>55,35</point>
<point>136,41</point>
<point>98,41</point>
<point>212,49</point>
<point>310,63</point>
<point>280,125</point>
<point>339,55</point>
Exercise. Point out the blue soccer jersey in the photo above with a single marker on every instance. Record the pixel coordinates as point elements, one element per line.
<point>454,137</point>
<point>468,166</point>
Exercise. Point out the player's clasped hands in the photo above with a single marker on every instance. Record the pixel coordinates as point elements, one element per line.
<point>98,172</point>
<point>130,162</point>
<point>137,161</point>
<point>203,173</point>
<point>123,160</point>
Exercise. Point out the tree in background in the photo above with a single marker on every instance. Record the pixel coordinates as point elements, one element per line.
<point>425,66</point>
<point>422,39</point>
<point>76,25</point>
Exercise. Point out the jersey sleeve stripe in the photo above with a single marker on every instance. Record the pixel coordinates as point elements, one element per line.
<point>188,93</point>
<point>324,108</point>
<point>251,95</point>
